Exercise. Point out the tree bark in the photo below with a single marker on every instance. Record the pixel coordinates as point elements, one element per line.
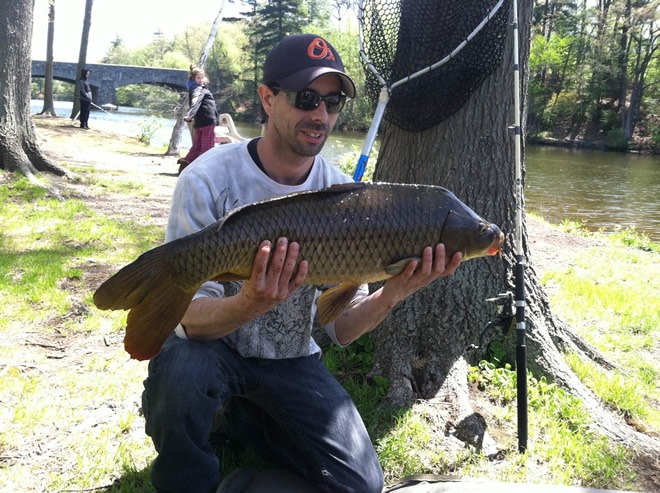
<point>49,106</point>
<point>82,56</point>
<point>19,150</point>
<point>422,346</point>
<point>175,139</point>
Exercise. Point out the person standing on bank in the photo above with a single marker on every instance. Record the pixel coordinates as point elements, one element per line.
<point>204,114</point>
<point>243,354</point>
<point>85,98</point>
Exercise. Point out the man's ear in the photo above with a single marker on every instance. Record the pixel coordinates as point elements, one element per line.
<point>267,97</point>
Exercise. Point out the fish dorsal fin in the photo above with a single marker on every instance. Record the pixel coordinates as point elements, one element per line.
<point>334,301</point>
<point>397,267</point>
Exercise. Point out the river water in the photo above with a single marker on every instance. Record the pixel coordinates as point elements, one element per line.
<point>601,189</point>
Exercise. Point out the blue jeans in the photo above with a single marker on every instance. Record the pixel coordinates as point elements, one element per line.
<point>292,410</point>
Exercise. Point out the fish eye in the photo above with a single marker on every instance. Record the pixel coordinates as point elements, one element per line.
<point>483,228</point>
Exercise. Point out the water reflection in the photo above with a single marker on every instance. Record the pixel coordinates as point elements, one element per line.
<point>602,189</point>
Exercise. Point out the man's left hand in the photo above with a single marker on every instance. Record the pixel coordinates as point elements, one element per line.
<point>415,276</point>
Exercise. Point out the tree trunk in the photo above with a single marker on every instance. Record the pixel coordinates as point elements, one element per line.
<point>624,53</point>
<point>174,147</point>
<point>19,150</point>
<point>49,106</point>
<point>646,51</point>
<point>175,139</point>
<point>211,39</point>
<point>422,346</point>
<point>82,55</point>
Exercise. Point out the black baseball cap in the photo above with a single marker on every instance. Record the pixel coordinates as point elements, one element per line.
<point>298,59</point>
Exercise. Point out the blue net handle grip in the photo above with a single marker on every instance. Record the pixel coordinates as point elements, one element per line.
<point>361,166</point>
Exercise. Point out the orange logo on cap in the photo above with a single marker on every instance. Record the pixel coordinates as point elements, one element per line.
<point>319,49</point>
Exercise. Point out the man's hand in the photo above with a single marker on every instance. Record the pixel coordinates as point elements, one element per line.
<point>273,281</point>
<point>415,276</point>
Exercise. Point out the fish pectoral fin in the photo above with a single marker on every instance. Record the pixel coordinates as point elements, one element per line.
<point>334,301</point>
<point>397,267</point>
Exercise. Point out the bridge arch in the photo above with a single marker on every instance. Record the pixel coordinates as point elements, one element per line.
<point>106,78</point>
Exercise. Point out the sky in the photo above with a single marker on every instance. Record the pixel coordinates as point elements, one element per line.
<point>134,21</point>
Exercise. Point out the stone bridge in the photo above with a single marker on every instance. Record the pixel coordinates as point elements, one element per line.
<point>105,78</point>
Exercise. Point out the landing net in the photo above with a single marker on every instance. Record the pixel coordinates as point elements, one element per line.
<point>456,44</point>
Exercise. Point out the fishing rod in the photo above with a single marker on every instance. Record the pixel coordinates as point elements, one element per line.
<point>511,306</point>
<point>519,270</point>
<point>78,114</point>
<point>98,107</point>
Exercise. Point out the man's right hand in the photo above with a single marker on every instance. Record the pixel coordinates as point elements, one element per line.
<point>274,277</point>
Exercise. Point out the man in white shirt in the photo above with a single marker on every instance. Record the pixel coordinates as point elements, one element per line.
<point>247,347</point>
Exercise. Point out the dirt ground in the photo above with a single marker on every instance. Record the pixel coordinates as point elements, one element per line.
<point>118,157</point>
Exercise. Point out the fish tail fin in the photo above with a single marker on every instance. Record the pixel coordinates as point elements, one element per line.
<point>129,286</point>
<point>150,323</point>
<point>155,301</point>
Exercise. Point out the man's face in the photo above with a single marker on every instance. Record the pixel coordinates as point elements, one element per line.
<point>305,132</point>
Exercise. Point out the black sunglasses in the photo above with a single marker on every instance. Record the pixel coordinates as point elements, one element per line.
<point>309,99</point>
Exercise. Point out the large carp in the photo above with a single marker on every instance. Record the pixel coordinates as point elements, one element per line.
<point>349,234</point>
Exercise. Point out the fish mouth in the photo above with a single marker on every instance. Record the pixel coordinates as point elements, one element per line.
<point>496,245</point>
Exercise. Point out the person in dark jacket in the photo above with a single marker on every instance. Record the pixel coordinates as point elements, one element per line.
<point>85,97</point>
<point>203,113</point>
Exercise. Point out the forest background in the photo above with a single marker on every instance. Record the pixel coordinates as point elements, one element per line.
<point>594,70</point>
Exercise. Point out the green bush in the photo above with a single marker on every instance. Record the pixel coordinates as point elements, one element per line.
<point>616,140</point>
<point>148,127</point>
<point>561,110</point>
<point>654,130</point>
<point>609,119</point>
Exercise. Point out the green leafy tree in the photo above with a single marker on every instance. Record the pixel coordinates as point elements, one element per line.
<point>317,12</point>
<point>270,23</point>
<point>592,67</point>
<point>116,54</point>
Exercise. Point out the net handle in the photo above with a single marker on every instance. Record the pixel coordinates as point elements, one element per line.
<point>386,91</point>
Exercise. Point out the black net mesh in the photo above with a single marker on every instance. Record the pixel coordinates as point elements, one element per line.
<point>404,36</point>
